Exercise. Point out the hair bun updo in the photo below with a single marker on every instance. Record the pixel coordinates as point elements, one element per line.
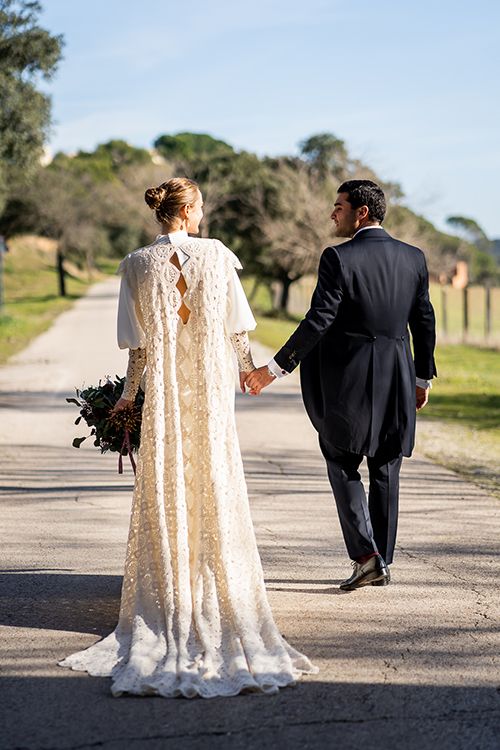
<point>154,196</point>
<point>167,199</point>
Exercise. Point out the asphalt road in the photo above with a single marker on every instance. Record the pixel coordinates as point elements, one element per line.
<point>414,665</point>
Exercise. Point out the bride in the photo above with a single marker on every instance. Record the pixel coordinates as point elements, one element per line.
<point>194,615</point>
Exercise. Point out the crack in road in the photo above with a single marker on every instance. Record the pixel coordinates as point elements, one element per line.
<point>273,463</point>
<point>481,601</point>
<point>428,561</point>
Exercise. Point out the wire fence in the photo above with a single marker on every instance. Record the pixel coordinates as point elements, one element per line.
<point>470,315</point>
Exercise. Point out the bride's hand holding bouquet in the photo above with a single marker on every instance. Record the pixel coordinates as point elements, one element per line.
<point>115,422</point>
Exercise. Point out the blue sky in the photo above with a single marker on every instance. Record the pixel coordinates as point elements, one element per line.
<point>412,88</point>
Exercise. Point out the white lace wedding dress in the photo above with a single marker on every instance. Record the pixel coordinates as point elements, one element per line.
<point>194,615</point>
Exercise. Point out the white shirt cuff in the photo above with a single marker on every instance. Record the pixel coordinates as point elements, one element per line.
<point>276,369</point>
<point>422,383</point>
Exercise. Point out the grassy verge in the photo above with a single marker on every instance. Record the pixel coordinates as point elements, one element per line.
<point>460,427</point>
<point>31,292</point>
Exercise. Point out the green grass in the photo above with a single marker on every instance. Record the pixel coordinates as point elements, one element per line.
<point>31,293</point>
<point>460,427</point>
<point>273,332</point>
<point>467,390</point>
<point>453,300</point>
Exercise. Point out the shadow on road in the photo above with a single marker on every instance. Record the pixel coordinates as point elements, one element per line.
<point>60,601</point>
<point>75,710</point>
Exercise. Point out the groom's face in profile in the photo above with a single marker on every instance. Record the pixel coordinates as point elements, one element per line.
<point>347,219</point>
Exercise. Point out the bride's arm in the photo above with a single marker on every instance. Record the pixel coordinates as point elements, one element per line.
<point>239,319</point>
<point>130,333</point>
<point>136,365</point>
<point>241,346</point>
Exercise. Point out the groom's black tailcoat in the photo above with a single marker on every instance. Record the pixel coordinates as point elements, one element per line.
<point>357,368</point>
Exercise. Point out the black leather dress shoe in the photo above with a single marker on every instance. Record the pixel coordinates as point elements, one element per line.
<point>383,582</point>
<point>374,572</point>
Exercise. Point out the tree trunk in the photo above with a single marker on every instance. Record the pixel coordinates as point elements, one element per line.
<point>90,263</point>
<point>61,274</point>
<point>255,287</point>
<point>284,294</point>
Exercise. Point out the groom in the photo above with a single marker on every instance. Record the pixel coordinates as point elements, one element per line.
<point>360,383</point>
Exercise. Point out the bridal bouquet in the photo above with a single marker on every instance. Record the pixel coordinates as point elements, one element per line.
<point>120,432</point>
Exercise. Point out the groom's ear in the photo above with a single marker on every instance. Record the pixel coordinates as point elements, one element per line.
<point>363,213</point>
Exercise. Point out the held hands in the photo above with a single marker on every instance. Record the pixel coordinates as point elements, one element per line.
<point>261,378</point>
<point>256,380</point>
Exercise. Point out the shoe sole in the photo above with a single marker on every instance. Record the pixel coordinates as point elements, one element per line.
<point>379,581</point>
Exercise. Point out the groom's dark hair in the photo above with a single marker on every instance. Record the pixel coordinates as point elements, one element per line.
<point>365,193</point>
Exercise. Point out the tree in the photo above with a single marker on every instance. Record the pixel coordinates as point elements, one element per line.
<point>129,222</point>
<point>27,52</point>
<point>71,202</point>
<point>273,212</point>
<point>484,266</point>
<point>191,147</point>
<point>227,179</point>
<point>327,155</point>
<point>87,217</point>
<point>67,208</point>
<point>470,230</point>
<point>295,224</point>
<point>207,161</point>
<point>105,162</point>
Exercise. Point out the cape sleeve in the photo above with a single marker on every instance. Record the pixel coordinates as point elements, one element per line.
<point>239,316</point>
<point>130,329</point>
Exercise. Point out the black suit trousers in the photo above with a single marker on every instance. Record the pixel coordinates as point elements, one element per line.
<point>367,525</point>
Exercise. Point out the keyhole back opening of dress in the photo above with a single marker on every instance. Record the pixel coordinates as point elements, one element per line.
<point>183,312</point>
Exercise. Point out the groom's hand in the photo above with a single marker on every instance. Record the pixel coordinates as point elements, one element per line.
<point>259,379</point>
<point>422,397</point>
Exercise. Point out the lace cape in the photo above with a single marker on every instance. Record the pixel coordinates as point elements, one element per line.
<point>194,616</point>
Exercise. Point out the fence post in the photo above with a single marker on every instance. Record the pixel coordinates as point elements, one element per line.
<point>3,249</point>
<point>465,313</point>
<point>487,310</point>
<point>1,280</point>
<point>444,310</point>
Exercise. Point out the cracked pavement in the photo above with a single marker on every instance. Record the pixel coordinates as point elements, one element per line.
<point>412,665</point>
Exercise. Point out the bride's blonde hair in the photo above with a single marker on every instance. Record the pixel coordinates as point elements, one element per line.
<point>167,199</point>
